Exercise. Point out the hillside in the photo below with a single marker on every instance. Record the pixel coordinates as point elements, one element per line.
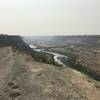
<point>22,78</point>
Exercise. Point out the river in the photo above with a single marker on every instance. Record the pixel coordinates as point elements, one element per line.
<point>56,55</point>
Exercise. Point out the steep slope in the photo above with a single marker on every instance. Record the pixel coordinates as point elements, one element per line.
<point>22,78</point>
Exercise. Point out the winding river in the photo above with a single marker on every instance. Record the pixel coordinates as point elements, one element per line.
<point>56,55</point>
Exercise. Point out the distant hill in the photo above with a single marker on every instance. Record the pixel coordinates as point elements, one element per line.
<point>93,40</point>
<point>47,41</point>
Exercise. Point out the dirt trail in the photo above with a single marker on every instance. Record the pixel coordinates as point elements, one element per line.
<point>21,78</point>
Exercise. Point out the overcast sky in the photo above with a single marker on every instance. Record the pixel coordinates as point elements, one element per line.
<point>50,17</point>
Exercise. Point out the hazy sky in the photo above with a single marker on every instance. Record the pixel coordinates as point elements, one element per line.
<point>37,17</point>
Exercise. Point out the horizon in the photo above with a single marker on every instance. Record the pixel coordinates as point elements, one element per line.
<point>49,35</point>
<point>75,34</point>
